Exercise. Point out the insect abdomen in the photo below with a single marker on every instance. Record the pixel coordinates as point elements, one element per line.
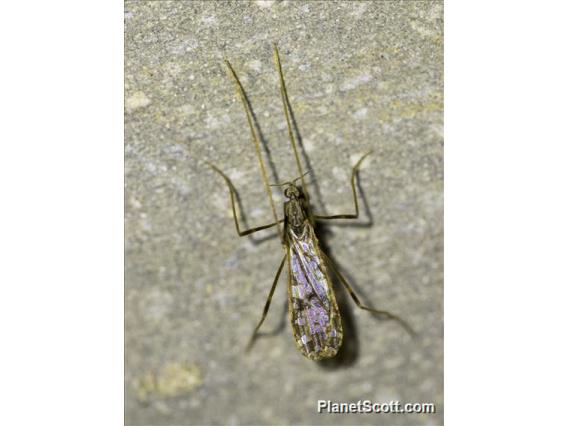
<point>316,322</point>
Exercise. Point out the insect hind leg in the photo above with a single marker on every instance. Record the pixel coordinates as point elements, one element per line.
<point>384,314</point>
<point>353,177</point>
<point>267,304</point>
<point>233,192</point>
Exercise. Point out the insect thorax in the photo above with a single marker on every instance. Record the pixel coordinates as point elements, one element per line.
<point>294,213</point>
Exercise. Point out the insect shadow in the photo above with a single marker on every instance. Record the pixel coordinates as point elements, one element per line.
<point>348,351</point>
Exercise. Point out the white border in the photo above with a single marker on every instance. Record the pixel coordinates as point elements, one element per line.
<point>61,214</point>
<point>506,212</point>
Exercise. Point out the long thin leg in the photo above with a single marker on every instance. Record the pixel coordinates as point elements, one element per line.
<point>267,305</point>
<point>358,302</point>
<point>287,109</point>
<point>232,192</point>
<point>353,177</point>
<point>256,143</point>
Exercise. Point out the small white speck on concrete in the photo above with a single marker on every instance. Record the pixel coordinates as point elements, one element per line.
<point>354,82</point>
<point>182,46</point>
<point>215,121</point>
<point>256,212</point>
<point>135,203</point>
<point>340,175</point>
<point>308,145</point>
<point>150,167</point>
<point>359,10</point>
<point>255,65</point>
<point>265,4</point>
<point>136,100</point>
<point>221,202</point>
<point>157,303</point>
<point>235,175</point>
<point>183,188</point>
<point>186,109</point>
<point>360,113</point>
<point>209,20</point>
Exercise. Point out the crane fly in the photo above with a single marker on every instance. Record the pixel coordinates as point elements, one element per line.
<point>315,317</point>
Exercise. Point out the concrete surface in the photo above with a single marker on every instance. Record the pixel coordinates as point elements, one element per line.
<point>360,76</point>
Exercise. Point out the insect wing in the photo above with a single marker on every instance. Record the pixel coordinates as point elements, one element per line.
<point>315,318</point>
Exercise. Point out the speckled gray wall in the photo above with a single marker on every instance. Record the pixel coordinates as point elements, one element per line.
<point>361,76</point>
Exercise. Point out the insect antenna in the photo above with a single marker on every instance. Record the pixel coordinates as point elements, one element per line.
<point>292,182</point>
<point>301,177</point>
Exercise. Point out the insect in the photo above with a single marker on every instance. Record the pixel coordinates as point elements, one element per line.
<point>313,311</point>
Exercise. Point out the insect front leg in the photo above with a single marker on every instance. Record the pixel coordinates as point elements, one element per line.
<point>353,177</point>
<point>256,142</point>
<point>289,117</point>
<point>346,284</point>
<point>232,192</point>
<point>267,305</point>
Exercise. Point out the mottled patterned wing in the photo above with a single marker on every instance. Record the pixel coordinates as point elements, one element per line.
<point>316,323</point>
